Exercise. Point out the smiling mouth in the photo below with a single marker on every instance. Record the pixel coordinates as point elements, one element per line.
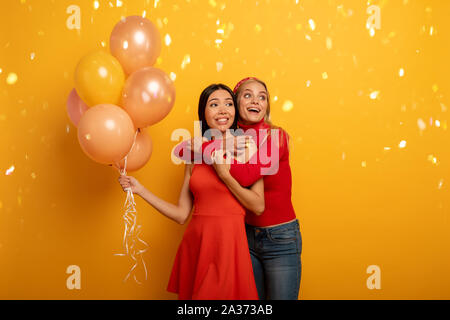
<point>253,110</point>
<point>222,120</point>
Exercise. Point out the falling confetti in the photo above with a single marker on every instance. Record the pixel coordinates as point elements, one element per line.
<point>421,124</point>
<point>312,24</point>
<point>287,106</point>
<point>402,144</point>
<point>219,66</point>
<point>167,40</point>
<point>11,78</point>
<point>173,76</point>
<point>401,72</point>
<point>10,170</point>
<point>324,75</point>
<point>329,43</point>
<point>96,5</point>
<point>374,94</point>
<point>186,61</point>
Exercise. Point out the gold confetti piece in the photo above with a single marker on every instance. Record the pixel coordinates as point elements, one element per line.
<point>402,144</point>
<point>324,75</point>
<point>87,136</point>
<point>258,28</point>
<point>440,184</point>
<point>10,170</point>
<point>96,5</point>
<point>119,3</point>
<point>401,72</point>
<point>432,159</point>
<point>212,3</point>
<point>33,175</point>
<point>186,61</point>
<point>308,83</point>
<point>32,55</point>
<point>11,78</point>
<point>144,13</point>
<point>312,24</point>
<point>173,76</point>
<point>287,106</point>
<point>307,37</point>
<point>219,66</point>
<point>329,43</point>
<point>372,32</point>
<point>364,164</point>
<point>387,148</point>
<point>103,44</point>
<point>437,123</point>
<point>431,30</point>
<point>435,88</point>
<point>167,40</point>
<point>374,94</point>
<point>19,202</point>
<point>421,124</point>
<point>275,98</point>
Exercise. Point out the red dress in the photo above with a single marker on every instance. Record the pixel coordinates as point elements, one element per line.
<point>213,259</point>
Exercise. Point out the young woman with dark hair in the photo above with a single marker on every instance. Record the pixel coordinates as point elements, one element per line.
<point>213,260</point>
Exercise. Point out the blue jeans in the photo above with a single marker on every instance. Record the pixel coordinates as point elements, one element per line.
<point>275,253</point>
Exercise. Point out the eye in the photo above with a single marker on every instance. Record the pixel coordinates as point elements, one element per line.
<point>213,104</point>
<point>246,95</point>
<point>230,104</point>
<point>262,97</point>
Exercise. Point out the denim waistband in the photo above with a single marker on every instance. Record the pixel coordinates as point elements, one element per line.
<point>294,224</point>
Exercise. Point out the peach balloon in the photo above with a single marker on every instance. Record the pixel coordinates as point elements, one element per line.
<point>135,42</point>
<point>140,153</point>
<point>106,133</point>
<point>99,78</point>
<point>148,96</point>
<point>75,107</point>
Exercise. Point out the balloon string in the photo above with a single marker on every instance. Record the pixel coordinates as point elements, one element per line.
<point>131,229</point>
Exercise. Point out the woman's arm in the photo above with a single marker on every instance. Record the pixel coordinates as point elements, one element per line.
<point>180,212</point>
<point>252,199</point>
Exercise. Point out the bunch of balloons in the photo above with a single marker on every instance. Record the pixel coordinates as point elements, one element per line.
<point>118,94</point>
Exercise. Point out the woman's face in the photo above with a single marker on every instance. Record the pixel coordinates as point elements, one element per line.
<point>219,111</point>
<point>252,101</point>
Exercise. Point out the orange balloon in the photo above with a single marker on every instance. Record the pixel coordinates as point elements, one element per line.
<point>148,96</point>
<point>106,133</point>
<point>140,153</point>
<point>135,42</point>
<point>99,78</point>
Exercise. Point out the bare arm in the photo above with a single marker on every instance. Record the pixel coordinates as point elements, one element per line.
<point>179,212</point>
<point>253,198</point>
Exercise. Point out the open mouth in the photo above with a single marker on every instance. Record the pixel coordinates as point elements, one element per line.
<point>253,110</point>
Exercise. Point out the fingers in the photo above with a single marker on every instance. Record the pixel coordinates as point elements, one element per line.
<point>125,182</point>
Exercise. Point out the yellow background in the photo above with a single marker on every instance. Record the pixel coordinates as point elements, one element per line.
<point>362,196</point>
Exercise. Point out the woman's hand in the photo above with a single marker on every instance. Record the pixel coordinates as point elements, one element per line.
<point>245,148</point>
<point>130,182</point>
<point>220,164</point>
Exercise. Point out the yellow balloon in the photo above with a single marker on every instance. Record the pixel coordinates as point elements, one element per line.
<point>99,78</point>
